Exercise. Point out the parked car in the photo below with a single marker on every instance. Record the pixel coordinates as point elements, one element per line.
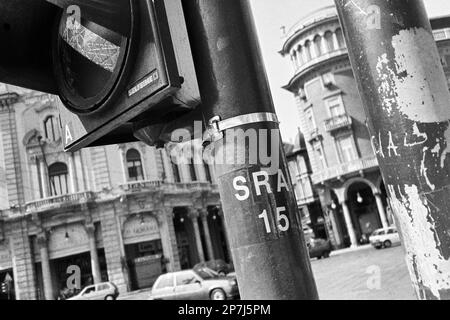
<point>100,291</point>
<point>201,284</point>
<point>218,265</point>
<point>384,238</point>
<point>319,248</point>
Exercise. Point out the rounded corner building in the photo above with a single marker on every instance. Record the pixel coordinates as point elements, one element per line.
<point>345,171</point>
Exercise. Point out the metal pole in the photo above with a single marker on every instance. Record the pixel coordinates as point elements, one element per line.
<point>266,238</point>
<point>406,98</point>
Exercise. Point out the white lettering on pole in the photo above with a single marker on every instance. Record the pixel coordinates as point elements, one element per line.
<point>243,188</point>
<point>281,181</point>
<point>261,178</point>
<point>258,183</point>
<point>282,218</point>
<point>264,216</point>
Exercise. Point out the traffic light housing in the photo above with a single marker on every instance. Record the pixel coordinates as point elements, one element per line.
<point>118,66</point>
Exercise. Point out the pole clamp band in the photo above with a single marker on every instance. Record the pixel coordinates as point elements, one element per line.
<point>216,126</point>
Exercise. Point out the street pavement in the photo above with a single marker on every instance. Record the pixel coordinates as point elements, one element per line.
<point>137,295</point>
<point>364,274</point>
<point>367,274</point>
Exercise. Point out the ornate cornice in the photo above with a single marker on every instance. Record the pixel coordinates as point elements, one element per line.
<point>7,100</point>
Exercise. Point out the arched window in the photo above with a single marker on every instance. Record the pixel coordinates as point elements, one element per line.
<point>134,164</point>
<point>192,170</point>
<point>340,38</point>
<point>207,172</point>
<point>176,172</point>
<point>300,55</point>
<point>58,176</point>
<point>318,45</point>
<point>308,50</point>
<point>51,128</point>
<point>294,59</point>
<point>329,41</point>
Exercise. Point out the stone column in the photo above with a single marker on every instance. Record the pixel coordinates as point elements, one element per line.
<point>168,239</point>
<point>84,169</point>
<point>336,230</point>
<point>44,179</point>
<point>45,266</point>
<point>79,169</point>
<point>35,178</point>
<point>349,224</point>
<point>314,53</point>
<point>204,216</point>
<point>381,210</point>
<point>335,41</point>
<point>95,264</point>
<point>305,54</point>
<point>227,242</point>
<point>72,175</point>
<point>124,166</point>
<point>324,46</point>
<point>193,215</point>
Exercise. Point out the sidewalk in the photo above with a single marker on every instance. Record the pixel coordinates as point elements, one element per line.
<point>349,250</point>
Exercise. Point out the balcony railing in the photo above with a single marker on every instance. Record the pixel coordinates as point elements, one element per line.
<point>344,169</point>
<point>321,58</point>
<point>132,187</point>
<point>170,187</point>
<point>189,186</point>
<point>339,122</point>
<point>64,200</point>
<point>137,186</point>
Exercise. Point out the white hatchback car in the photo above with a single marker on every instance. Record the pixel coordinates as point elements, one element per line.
<point>385,238</point>
<point>101,291</point>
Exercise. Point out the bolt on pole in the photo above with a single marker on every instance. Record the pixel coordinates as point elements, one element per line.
<point>260,210</point>
<point>407,101</point>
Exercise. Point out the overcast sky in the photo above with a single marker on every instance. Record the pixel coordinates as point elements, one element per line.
<point>270,15</point>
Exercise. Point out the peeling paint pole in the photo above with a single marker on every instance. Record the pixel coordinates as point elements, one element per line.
<point>406,98</point>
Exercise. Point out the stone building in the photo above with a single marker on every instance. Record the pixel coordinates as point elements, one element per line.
<point>345,170</point>
<point>312,218</point>
<point>123,213</point>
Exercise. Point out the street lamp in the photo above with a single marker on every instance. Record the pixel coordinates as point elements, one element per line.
<point>359,198</point>
<point>333,205</point>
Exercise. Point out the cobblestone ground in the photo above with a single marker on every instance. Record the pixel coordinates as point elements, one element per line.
<point>353,276</point>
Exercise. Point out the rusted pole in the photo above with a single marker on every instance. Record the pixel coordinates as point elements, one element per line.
<point>261,215</point>
<point>406,98</point>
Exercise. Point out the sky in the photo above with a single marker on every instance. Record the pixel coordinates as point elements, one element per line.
<point>270,16</point>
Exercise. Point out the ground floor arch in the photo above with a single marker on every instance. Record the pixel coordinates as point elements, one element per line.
<point>356,207</point>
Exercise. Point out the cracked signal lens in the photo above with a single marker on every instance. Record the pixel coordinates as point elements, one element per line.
<point>89,63</point>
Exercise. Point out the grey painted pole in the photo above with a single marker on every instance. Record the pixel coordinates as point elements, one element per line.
<point>407,102</point>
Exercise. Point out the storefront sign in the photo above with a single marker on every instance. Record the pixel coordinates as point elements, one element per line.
<point>146,259</point>
<point>141,229</point>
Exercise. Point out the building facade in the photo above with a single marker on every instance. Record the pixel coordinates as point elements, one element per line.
<point>345,171</point>
<point>308,202</point>
<point>122,213</point>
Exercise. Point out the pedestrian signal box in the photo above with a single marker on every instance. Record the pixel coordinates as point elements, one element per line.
<point>116,65</point>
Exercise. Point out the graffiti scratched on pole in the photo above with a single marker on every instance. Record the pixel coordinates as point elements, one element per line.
<point>406,98</point>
